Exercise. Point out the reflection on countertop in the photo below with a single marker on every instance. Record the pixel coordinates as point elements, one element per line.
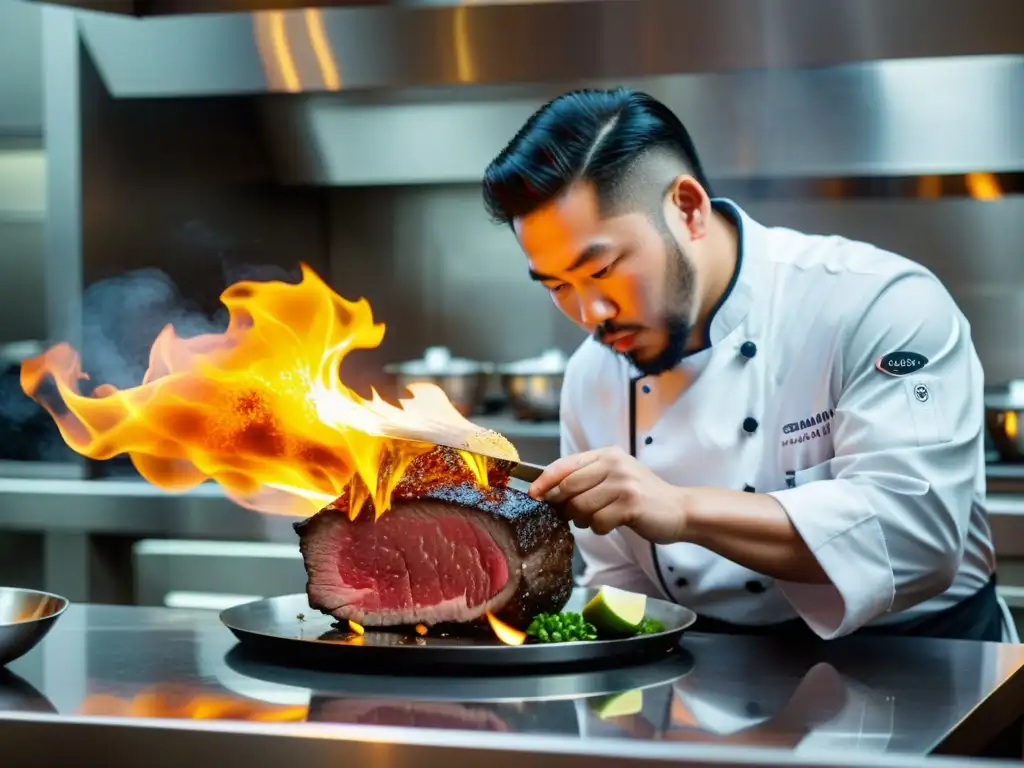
<point>906,696</point>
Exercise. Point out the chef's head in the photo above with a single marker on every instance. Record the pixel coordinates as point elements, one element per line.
<point>606,195</point>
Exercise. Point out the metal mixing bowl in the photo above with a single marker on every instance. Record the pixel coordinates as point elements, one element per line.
<point>26,616</point>
<point>534,387</point>
<point>533,396</point>
<point>464,382</point>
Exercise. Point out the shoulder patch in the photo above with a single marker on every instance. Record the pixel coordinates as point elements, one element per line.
<point>900,363</point>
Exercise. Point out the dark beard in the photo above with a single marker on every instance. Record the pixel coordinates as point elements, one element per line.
<point>679,276</point>
<point>678,329</point>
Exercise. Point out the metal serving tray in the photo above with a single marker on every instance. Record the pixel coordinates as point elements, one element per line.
<point>286,630</point>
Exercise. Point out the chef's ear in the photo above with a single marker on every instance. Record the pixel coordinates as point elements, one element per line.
<point>687,204</point>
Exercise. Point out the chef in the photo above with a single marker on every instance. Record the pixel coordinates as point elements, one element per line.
<point>781,431</point>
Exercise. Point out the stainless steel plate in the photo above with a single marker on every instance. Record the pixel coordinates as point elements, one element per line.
<point>273,628</point>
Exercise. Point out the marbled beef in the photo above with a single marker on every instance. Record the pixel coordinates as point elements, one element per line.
<point>447,551</point>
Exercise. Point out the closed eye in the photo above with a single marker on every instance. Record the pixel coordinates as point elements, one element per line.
<point>602,273</point>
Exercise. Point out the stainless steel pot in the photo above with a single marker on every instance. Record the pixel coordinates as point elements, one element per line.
<point>1004,419</point>
<point>463,381</point>
<point>534,387</point>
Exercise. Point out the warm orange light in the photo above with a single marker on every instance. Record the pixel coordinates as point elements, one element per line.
<point>322,49</point>
<point>508,635</point>
<point>173,702</point>
<point>1010,424</point>
<point>929,187</point>
<point>464,68</point>
<point>259,409</point>
<point>421,629</point>
<point>984,186</point>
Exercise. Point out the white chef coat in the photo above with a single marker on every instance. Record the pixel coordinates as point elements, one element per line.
<point>882,475</point>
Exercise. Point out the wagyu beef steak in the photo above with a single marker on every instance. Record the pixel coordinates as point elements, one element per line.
<point>447,551</point>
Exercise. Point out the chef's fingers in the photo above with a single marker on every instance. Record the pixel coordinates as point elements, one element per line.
<point>582,508</point>
<point>582,480</point>
<point>607,519</point>
<point>557,471</point>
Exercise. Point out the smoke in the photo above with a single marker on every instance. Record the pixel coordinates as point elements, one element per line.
<point>259,273</point>
<point>121,318</point>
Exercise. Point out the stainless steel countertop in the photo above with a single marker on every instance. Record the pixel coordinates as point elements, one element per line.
<point>130,666</point>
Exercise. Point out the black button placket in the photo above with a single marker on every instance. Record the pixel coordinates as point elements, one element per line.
<point>634,388</point>
<point>646,389</point>
<point>747,351</point>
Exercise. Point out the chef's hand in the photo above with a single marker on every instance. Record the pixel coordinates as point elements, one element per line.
<point>607,488</point>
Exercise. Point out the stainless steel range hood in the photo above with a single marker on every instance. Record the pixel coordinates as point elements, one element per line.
<point>424,43</point>
<point>933,116</point>
<point>142,8</point>
<point>427,91</point>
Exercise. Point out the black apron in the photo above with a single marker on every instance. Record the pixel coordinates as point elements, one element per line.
<point>977,617</point>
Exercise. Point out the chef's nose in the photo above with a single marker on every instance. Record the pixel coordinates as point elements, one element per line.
<point>594,310</point>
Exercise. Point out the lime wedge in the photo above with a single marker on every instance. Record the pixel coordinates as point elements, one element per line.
<point>619,704</point>
<point>615,611</point>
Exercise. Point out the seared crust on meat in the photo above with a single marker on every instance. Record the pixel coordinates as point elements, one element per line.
<point>542,538</point>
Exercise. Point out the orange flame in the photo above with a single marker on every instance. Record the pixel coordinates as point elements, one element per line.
<point>259,409</point>
<point>507,634</point>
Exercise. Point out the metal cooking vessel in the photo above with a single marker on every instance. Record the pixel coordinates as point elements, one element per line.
<point>534,387</point>
<point>463,381</point>
<point>26,617</point>
<point>1004,419</point>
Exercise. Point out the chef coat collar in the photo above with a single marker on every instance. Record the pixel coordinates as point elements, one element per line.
<point>734,304</point>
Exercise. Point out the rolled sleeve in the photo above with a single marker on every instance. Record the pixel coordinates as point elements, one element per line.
<point>887,517</point>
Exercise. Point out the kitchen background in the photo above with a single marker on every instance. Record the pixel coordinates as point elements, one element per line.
<point>147,163</point>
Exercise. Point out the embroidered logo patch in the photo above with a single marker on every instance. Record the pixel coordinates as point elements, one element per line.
<point>900,363</point>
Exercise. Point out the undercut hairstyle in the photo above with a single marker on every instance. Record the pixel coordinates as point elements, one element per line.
<point>625,143</point>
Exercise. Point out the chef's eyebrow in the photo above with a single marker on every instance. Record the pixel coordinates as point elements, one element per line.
<point>589,254</point>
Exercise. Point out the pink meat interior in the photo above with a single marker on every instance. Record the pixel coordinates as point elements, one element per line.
<point>417,555</point>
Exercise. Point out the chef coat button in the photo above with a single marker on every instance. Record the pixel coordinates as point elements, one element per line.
<point>648,440</point>
<point>646,389</point>
<point>755,587</point>
<point>750,424</point>
<point>748,349</point>
<point>753,709</point>
<point>681,582</point>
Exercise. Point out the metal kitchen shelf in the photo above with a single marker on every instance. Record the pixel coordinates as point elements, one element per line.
<point>513,428</point>
<point>133,508</point>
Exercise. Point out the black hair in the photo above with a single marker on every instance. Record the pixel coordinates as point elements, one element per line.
<point>589,135</point>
